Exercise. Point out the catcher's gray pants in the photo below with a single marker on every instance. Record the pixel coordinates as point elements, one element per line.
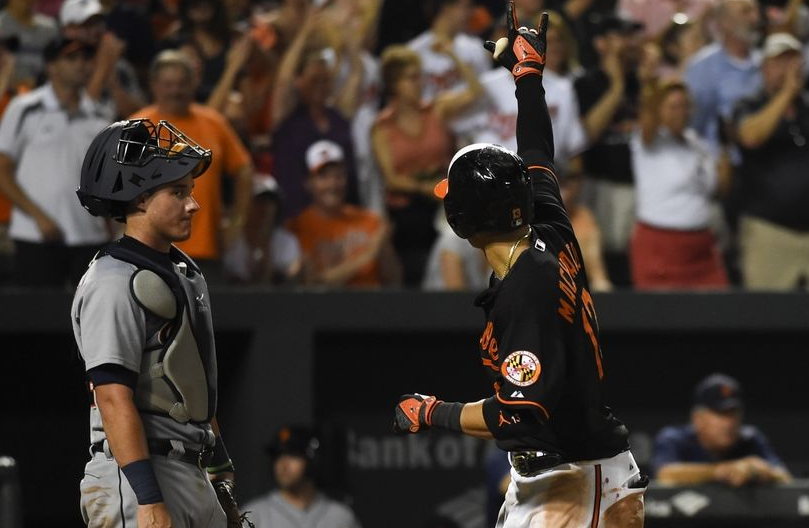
<point>108,501</point>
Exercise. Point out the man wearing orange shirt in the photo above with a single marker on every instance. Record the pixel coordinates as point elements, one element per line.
<point>342,245</point>
<point>173,83</point>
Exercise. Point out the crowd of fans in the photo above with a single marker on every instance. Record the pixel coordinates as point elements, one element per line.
<point>680,134</point>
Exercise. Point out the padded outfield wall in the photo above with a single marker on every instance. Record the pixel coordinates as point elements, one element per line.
<point>340,360</point>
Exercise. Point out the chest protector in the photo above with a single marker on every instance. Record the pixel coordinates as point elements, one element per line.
<point>178,374</point>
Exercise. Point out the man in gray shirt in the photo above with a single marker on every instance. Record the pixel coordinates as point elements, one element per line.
<point>33,31</point>
<point>142,323</point>
<point>297,502</point>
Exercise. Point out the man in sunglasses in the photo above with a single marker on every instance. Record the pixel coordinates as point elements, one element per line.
<point>43,137</point>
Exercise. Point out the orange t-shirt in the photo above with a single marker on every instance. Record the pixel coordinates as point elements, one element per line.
<point>326,241</point>
<point>210,129</point>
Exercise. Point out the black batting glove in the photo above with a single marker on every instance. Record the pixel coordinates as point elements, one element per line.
<point>414,413</point>
<point>523,51</point>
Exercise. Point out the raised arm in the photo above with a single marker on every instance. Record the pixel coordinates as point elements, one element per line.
<point>756,129</point>
<point>597,117</point>
<point>284,98</point>
<point>523,54</point>
<point>237,57</point>
<point>450,104</point>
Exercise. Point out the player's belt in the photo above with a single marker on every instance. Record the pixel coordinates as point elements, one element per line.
<point>530,463</point>
<point>201,459</point>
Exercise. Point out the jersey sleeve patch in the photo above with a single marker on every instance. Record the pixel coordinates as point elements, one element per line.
<point>521,368</point>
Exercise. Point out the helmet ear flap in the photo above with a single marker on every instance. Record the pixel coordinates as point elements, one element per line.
<point>133,143</point>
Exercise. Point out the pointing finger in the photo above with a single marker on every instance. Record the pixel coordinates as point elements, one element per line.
<point>511,21</point>
<point>543,26</point>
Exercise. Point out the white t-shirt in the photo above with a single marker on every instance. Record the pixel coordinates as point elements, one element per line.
<point>48,148</point>
<point>497,121</point>
<point>439,71</point>
<point>674,180</point>
<point>476,269</point>
<point>283,247</point>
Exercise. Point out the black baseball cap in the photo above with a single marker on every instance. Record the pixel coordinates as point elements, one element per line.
<point>293,440</point>
<point>10,43</point>
<point>718,392</point>
<point>602,23</point>
<point>61,46</point>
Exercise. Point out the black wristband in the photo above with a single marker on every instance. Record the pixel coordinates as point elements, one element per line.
<point>221,462</point>
<point>143,481</point>
<point>447,415</point>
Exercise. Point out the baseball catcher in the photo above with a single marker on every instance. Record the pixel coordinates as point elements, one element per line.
<point>142,322</point>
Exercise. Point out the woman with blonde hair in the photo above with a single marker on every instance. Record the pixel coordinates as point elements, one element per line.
<point>413,144</point>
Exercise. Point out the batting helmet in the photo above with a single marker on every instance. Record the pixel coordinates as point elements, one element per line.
<point>487,189</point>
<point>131,157</point>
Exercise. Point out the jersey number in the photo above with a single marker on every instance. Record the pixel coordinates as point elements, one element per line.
<point>590,322</point>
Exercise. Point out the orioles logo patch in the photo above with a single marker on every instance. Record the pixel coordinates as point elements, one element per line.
<point>521,368</point>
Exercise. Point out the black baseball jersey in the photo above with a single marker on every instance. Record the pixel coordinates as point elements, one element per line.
<point>540,344</point>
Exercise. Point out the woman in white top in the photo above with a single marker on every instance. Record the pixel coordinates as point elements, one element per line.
<point>676,177</point>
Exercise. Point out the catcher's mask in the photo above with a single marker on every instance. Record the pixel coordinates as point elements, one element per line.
<point>487,189</point>
<point>132,157</point>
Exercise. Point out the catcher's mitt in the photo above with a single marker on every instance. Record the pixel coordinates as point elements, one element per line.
<point>227,499</point>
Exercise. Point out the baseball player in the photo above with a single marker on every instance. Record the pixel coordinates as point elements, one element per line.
<point>571,464</point>
<point>142,322</point>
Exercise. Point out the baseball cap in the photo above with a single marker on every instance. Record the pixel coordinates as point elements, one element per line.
<point>62,46</point>
<point>10,43</point>
<point>718,392</point>
<point>265,185</point>
<point>79,11</point>
<point>321,153</point>
<point>602,23</point>
<point>778,43</point>
<point>293,440</point>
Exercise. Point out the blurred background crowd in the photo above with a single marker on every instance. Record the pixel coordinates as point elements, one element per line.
<point>680,131</point>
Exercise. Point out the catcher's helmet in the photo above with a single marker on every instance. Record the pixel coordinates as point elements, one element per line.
<point>487,189</point>
<point>131,157</point>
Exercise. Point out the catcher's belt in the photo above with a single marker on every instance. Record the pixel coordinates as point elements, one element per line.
<point>530,463</point>
<point>201,459</point>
